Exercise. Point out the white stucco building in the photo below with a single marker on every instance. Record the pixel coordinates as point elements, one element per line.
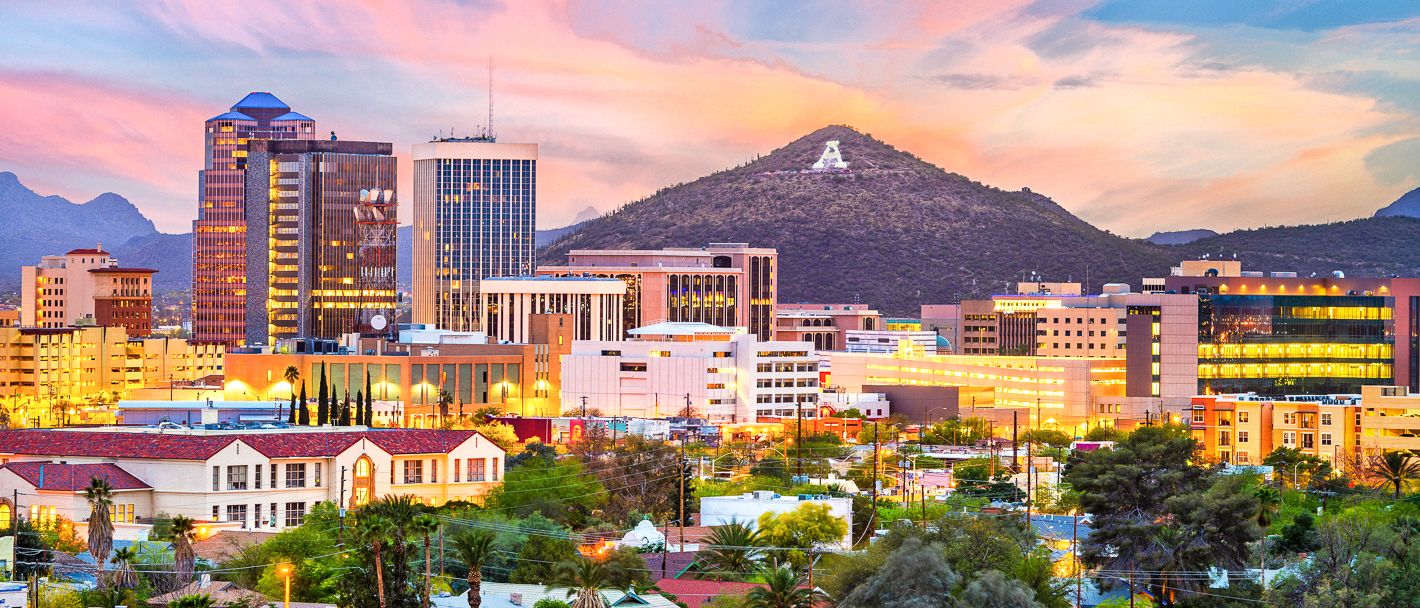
<point>264,480</point>
<point>725,374</point>
<point>596,305</point>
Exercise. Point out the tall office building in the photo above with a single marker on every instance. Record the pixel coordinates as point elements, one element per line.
<point>320,239</point>
<point>475,206</point>
<point>219,233</point>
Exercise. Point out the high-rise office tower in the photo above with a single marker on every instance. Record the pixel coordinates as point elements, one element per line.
<point>219,233</point>
<point>320,226</point>
<point>475,206</point>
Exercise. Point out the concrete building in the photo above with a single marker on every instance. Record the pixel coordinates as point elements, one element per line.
<point>69,375</point>
<point>595,304</point>
<point>475,210</point>
<point>1050,392</point>
<point>407,377</point>
<point>86,287</point>
<point>264,480</point>
<point>219,236</point>
<point>1282,334</point>
<point>320,239</point>
<point>746,509</point>
<point>722,284</point>
<point>721,374</point>
<point>945,319</point>
<point>824,324</point>
<point>886,341</point>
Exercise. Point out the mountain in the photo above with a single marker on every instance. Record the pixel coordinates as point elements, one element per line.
<point>1378,246</point>
<point>1408,205</point>
<point>1180,237</point>
<point>38,225</point>
<point>169,254</point>
<point>894,230</point>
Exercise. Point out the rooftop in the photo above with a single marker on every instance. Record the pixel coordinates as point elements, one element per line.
<point>73,477</point>
<point>99,251</point>
<point>145,443</point>
<point>260,100</point>
<point>680,328</point>
<point>294,116</point>
<point>231,116</point>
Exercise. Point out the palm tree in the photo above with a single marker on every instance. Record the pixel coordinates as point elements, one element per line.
<point>731,548</point>
<point>474,548</point>
<point>292,375</point>
<point>100,497</point>
<point>195,600</point>
<point>1394,469</point>
<point>123,576</point>
<point>1269,500</point>
<point>782,589</point>
<point>426,525</point>
<point>184,532</point>
<point>376,530</point>
<point>584,579</point>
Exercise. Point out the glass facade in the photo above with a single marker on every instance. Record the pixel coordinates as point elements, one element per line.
<point>1277,344</point>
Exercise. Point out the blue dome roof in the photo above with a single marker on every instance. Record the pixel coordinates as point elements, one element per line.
<point>294,116</point>
<point>261,99</point>
<point>231,116</point>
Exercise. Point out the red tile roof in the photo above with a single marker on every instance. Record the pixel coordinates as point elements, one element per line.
<point>74,477</point>
<point>122,270</point>
<point>695,593</point>
<point>174,446</point>
<point>86,252</point>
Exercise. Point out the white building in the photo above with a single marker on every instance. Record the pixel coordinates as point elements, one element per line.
<point>746,509</point>
<point>596,305</point>
<point>886,341</point>
<point>722,374</point>
<point>253,480</point>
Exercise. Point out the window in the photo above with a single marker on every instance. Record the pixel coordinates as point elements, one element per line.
<point>237,513</point>
<point>216,480</point>
<point>295,513</point>
<point>214,512</point>
<point>493,470</point>
<point>121,513</point>
<point>433,470</point>
<point>456,478</point>
<point>317,474</point>
<point>296,475</point>
<point>237,477</point>
<point>1198,416</point>
<point>1326,419</point>
<point>1308,441</point>
<point>272,516</point>
<point>1242,436</point>
<point>1224,438</point>
<point>1242,458</point>
<point>475,469</point>
<point>1289,418</point>
<point>1242,419</point>
<point>414,471</point>
<point>1326,438</point>
<point>362,467</point>
<point>1289,438</point>
<point>273,476</point>
<point>256,512</point>
<point>258,482</point>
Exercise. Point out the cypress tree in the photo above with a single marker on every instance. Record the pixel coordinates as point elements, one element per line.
<point>369,399</point>
<point>323,399</point>
<point>369,409</point>
<point>345,411</point>
<point>359,408</point>
<point>305,414</point>
<point>291,415</point>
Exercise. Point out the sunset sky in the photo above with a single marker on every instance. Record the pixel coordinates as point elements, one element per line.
<point>1137,115</point>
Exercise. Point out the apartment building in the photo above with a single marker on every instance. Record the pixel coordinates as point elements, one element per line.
<point>86,287</point>
<point>826,325</point>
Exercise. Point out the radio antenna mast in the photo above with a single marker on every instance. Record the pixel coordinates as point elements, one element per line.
<point>490,97</point>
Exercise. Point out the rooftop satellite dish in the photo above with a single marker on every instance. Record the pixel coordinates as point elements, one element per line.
<point>378,322</point>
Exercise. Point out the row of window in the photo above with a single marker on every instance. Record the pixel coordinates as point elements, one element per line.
<point>467,470</point>
<point>243,477</point>
<point>293,515</point>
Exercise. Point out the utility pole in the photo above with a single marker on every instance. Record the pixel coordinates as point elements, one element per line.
<point>873,514</point>
<point>1075,552</point>
<point>1131,583</point>
<point>584,406</point>
<point>1015,444</point>
<point>991,446</point>
<point>680,507</point>
<point>687,408</point>
<point>340,506</point>
<point>15,530</point>
<point>1030,467</point>
<point>799,452</point>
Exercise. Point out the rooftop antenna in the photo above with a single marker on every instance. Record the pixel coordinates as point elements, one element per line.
<point>490,97</point>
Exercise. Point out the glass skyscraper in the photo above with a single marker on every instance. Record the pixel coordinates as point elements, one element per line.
<point>475,213</point>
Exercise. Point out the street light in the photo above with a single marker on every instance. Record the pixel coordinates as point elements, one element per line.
<point>284,571</point>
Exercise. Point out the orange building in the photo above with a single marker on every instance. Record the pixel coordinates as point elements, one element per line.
<point>1244,429</point>
<point>407,378</point>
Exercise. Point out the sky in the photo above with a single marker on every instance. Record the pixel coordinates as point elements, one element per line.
<point>1138,115</point>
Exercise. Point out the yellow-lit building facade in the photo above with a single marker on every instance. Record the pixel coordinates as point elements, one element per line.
<point>70,375</point>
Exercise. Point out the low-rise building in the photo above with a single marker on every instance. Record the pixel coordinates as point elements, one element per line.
<point>691,370</point>
<point>887,341</point>
<point>253,480</point>
<point>826,325</point>
<point>595,304</point>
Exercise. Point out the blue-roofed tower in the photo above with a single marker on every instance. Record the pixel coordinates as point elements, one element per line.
<point>219,233</point>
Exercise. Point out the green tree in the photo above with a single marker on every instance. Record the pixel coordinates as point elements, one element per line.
<point>731,551</point>
<point>499,433</point>
<point>1050,437</point>
<point>783,588</point>
<point>99,495</point>
<point>916,575</point>
<point>124,576</point>
<point>809,526</point>
<point>376,531</point>
<point>1394,469</point>
<point>194,600</point>
<point>1036,572</point>
<point>359,415</point>
<point>559,490</point>
<point>548,602</point>
<point>1105,433</point>
<point>474,548</point>
<point>292,374</point>
<point>1269,501</point>
<point>184,533</point>
<point>538,558</point>
<point>992,589</point>
<point>304,418</point>
<point>1290,463</point>
<point>369,409</point>
<point>322,399</point>
<point>426,526</point>
<point>584,579</point>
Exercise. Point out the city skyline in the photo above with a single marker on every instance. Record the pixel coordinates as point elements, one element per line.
<point>1135,116</point>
